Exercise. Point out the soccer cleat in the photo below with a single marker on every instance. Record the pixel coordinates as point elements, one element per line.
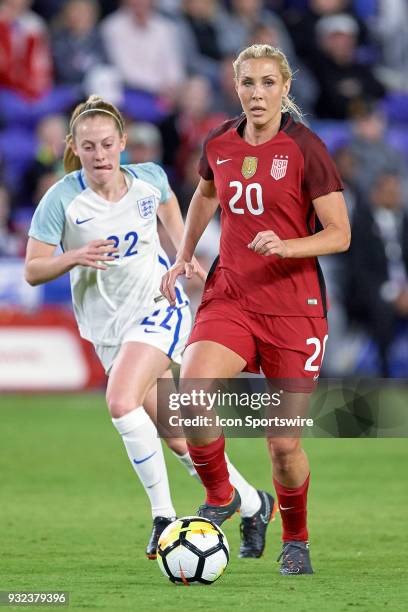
<point>295,558</point>
<point>159,525</point>
<point>253,528</point>
<point>219,514</point>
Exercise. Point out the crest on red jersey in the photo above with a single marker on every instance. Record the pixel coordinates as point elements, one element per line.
<point>249,166</point>
<point>279,166</point>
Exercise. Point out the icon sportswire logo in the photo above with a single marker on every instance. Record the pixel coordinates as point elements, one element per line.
<point>223,161</point>
<point>81,221</point>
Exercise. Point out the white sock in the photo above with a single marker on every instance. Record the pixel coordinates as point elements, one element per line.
<point>188,464</point>
<point>145,452</point>
<point>250,500</point>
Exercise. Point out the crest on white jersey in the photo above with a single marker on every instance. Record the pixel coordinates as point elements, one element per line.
<point>147,207</point>
<point>279,166</point>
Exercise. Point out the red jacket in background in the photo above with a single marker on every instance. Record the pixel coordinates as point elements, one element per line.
<point>25,57</point>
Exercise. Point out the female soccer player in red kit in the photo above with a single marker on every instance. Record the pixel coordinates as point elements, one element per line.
<point>264,304</point>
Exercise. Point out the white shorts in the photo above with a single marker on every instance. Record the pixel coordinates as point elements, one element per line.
<point>167,328</point>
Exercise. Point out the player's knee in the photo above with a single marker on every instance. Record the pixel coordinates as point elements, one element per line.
<point>177,445</point>
<point>282,449</point>
<point>119,405</point>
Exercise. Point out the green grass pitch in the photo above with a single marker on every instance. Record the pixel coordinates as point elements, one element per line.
<point>73,517</point>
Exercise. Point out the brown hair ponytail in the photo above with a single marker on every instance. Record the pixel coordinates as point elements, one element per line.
<point>95,105</point>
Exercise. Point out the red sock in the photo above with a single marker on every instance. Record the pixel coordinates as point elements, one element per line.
<point>292,506</point>
<point>211,466</point>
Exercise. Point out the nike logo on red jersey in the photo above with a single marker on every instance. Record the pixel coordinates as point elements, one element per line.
<point>222,161</point>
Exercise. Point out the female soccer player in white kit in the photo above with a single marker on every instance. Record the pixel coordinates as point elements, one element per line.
<point>104,215</point>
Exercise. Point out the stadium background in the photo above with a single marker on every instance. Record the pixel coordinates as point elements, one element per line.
<point>173,81</point>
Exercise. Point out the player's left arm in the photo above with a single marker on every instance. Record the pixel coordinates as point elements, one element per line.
<point>170,215</point>
<point>333,238</point>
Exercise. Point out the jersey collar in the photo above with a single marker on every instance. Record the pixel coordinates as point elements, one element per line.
<point>285,119</point>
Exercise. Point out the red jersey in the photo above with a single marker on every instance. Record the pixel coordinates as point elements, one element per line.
<point>268,187</point>
<point>25,57</point>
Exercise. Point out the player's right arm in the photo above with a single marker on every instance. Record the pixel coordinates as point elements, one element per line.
<point>41,265</point>
<point>203,205</point>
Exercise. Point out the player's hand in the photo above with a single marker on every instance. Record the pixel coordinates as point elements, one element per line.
<point>179,268</point>
<point>268,243</point>
<point>199,270</point>
<point>94,253</point>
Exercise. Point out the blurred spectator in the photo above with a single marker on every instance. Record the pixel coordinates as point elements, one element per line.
<point>372,153</point>
<point>143,143</point>
<point>190,180</point>
<point>105,81</point>
<point>186,129</point>
<point>11,243</point>
<point>48,9</point>
<point>349,170</point>
<point>1,167</point>
<point>172,8</point>
<point>342,79</point>
<point>201,32</point>
<point>225,96</point>
<point>76,42</point>
<point>304,87</point>
<point>378,264</point>
<point>25,57</point>
<point>44,182</point>
<point>391,30</point>
<point>337,353</point>
<point>246,15</point>
<point>201,17</point>
<point>143,46</point>
<point>51,133</point>
<point>302,21</point>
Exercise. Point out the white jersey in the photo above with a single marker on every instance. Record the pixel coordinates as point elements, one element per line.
<point>107,302</point>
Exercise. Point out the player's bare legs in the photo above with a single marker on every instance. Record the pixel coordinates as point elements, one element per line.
<point>177,445</point>
<point>289,461</point>
<point>253,502</point>
<point>134,372</point>
<point>209,360</point>
<point>290,465</point>
<point>290,469</point>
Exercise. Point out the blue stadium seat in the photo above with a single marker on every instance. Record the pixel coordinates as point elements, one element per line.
<point>396,107</point>
<point>333,133</point>
<point>397,136</point>
<point>365,8</point>
<point>16,111</point>
<point>17,148</point>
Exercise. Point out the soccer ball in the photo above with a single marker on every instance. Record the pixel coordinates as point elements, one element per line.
<point>192,550</point>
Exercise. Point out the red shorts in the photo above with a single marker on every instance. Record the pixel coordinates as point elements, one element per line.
<point>283,347</point>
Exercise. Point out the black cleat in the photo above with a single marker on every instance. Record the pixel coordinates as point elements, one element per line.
<point>295,558</point>
<point>219,514</point>
<point>159,525</point>
<point>253,528</point>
